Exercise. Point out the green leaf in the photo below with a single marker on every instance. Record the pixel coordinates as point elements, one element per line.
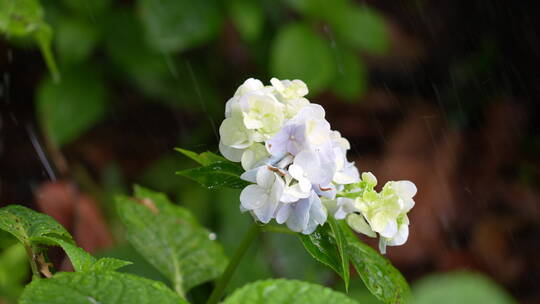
<point>97,287</point>
<point>80,259</point>
<point>14,271</point>
<point>170,238</point>
<point>21,18</point>
<point>164,78</point>
<point>248,17</point>
<point>321,245</point>
<point>14,266</point>
<point>341,243</point>
<point>71,48</point>
<point>84,261</point>
<point>361,27</point>
<point>140,266</point>
<point>87,8</point>
<point>351,77</point>
<point>204,158</point>
<point>221,174</point>
<point>73,106</point>
<point>177,25</point>
<point>319,9</point>
<point>30,227</point>
<point>459,287</point>
<point>282,291</point>
<point>110,264</point>
<point>381,278</point>
<point>128,51</point>
<point>6,239</point>
<point>299,53</point>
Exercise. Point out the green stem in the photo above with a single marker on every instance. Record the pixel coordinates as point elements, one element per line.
<point>277,229</point>
<point>222,283</point>
<point>44,38</point>
<point>33,265</point>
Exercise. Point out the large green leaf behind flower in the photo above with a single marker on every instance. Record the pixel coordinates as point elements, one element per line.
<point>170,238</point>
<point>98,287</point>
<point>286,291</point>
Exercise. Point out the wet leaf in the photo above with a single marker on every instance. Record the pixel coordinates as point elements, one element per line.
<point>84,261</point>
<point>300,53</point>
<point>97,287</point>
<point>80,259</point>
<point>30,227</point>
<point>382,279</point>
<point>177,25</point>
<point>221,174</point>
<point>171,240</point>
<point>204,158</point>
<point>71,107</point>
<point>321,245</point>
<point>341,243</point>
<point>282,291</point>
<point>110,264</point>
<point>140,266</point>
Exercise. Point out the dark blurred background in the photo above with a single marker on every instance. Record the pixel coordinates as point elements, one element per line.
<point>443,93</point>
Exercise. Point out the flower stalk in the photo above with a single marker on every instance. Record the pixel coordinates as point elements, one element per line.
<point>223,281</point>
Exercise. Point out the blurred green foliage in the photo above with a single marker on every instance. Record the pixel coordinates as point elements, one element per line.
<point>173,26</point>
<point>72,106</point>
<point>300,53</point>
<point>460,287</point>
<point>166,50</point>
<point>25,19</point>
<point>14,268</point>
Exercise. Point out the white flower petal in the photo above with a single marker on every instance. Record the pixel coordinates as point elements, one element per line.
<point>299,217</point>
<point>276,83</point>
<point>265,177</point>
<point>249,85</point>
<point>277,188</point>
<point>253,155</point>
<point>405,188</point>
<point>283,213</point>
<point>304,185</point>
<point>382,245</point>
<point>344,206</point>
<point>369,178</point>
<point>266,212</point>
<point>359,224</point>
<point>296,171</point>
<point>401,236</point>
<point>317,213</point>
<point>233,133</point>
<point>251,175</point>
<point>390,230</point>
<point>230,153</point>
<point>253,196</point>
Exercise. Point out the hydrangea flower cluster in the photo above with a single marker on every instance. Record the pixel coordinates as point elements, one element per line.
<point>299,169</point>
